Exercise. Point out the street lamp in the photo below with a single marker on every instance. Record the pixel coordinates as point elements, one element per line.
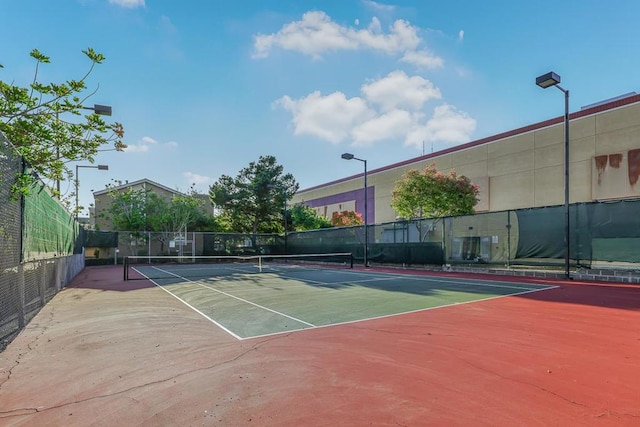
<point>349,156</point>
<point>103,110</point>
<point>99,167</point>
<point>545,81</point>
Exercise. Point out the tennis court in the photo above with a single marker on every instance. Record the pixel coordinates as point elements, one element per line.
<point>467,350</point>
<point>256,296</point>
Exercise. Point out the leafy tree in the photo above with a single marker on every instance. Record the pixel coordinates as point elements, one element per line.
<point>139,211</point>
<point>433,194</point>
<point>304,218</point>
<point>46,125</point>
<point>346,218</point>
<point>253,201</point>
<point>129,210</point>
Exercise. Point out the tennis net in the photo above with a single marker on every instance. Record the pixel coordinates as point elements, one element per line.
<point>167,267</point>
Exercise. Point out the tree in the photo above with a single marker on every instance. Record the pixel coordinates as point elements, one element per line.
<point>304,218</point>
<point>346,218</point>
<point>46,125</point>
<point>254,201</point>
<point>433,194</point>
<point>139,211</point>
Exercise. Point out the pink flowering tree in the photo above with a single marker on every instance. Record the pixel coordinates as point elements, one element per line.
<point>346,218</point>
<point>432,194</point>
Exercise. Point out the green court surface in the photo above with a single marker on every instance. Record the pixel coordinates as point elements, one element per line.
<point>249,305</point>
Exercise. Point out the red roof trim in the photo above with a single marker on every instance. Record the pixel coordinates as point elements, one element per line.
<point>572,116</point>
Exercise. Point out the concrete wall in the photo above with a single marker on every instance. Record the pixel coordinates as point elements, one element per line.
<point>521,168</point>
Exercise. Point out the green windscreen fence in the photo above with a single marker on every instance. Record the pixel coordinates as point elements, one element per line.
<point>608,232</point>
<point>614,231</point>
<point>100,239</point>
<point>48,229</point>
<point>599,232</point>
<point>38,238</point>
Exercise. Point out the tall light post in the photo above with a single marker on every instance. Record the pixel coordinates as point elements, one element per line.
<point>99,167</point>
<point>545,81</point>
<point>103,110</point>
<point>349,156</point>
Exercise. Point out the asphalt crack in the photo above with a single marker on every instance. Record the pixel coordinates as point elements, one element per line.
<point>29,410</point>
<point>30,347</point>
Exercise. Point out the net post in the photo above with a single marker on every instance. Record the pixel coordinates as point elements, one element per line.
<point>351,260</point>
<point>125,262</point>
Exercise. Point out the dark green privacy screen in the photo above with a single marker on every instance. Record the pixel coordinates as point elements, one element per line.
<point>615,231</point>
<point>48,229</point>
<point>100,239</point>
<point>598,232</point>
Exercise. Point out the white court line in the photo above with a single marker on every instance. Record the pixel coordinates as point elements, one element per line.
<point>404,312</point>
<point>376,278</point>
<point>238,298</point>
<point>449,280</point>
<point>191,307</point>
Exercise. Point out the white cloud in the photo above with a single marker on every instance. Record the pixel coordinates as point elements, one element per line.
<point>391,125</point>
<point>461,35</point>
<point>379,6</point>
<point>139,148</point>
<point>391,108</point>
<point>422,59</point>
<point>447,125</point>
<point>316,33</point>
<point>129,4</point>
<point>145,144</point>
<point>328,117</point>
<point>399,90</point>
<point>198,180</point>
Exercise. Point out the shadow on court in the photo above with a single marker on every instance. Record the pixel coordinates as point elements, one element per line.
<point>425,283</point>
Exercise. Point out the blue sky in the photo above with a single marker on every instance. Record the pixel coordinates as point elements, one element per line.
<point>205,87</point>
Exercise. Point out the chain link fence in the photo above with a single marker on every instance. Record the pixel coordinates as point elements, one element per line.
<point>39,250</point>
<point>602,233</point>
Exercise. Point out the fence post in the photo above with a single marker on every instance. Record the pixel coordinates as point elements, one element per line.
<point>21,315</point>
<point>508,239</point>
<point>43,283</point>
<point>444,241</point>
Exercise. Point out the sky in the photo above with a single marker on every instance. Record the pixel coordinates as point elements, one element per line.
<point>203,88</point>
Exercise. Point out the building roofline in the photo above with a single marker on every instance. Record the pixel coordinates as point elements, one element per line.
<point>598,108</point>
<point>134,183</point>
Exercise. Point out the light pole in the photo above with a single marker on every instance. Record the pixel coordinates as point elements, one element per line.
<point>99,167</point>
<point>103,110</point>
<point>545,81</point>
<point>349,156</point>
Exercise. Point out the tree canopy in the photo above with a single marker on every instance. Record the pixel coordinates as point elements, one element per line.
<point>305,218</point>
<point>346,218</point>
<point>433,194</point>
<point>255,200</point>
<point>138,210</point>
<point>46,124</point>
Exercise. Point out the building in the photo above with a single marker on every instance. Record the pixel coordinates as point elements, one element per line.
<point>102,199</point>
<point>521,168</point>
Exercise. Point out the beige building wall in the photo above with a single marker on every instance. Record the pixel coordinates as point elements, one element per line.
<point>522,168</point>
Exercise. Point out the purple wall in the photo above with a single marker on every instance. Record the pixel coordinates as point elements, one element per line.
<point>357,195</point>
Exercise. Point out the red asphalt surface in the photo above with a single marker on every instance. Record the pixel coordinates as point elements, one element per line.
<point>105,352</point>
